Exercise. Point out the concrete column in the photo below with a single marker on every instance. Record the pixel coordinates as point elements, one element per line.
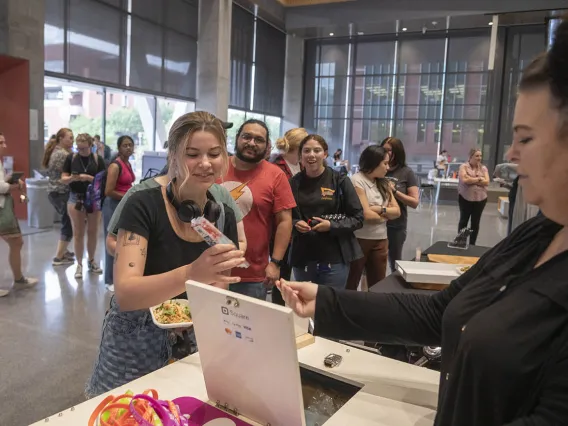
<point>21,36</point>
<point>214,57</point>
<point>293,83</point>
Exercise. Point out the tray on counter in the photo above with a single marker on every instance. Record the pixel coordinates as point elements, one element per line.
<point>427,275</point>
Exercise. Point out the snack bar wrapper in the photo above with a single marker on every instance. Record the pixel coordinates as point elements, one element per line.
<point>212,235</point>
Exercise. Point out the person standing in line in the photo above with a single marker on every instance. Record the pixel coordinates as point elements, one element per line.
<point>289,157</point>
<point>56,152</point>
<point>289,162</point>
<point>103,149</point>
<point>158,251</point>
<point>472,193</point>
<point>120,178</point>
<point>405,190</point>
<point>379,206</point>
<point>263,194</point>
<point>79,171</point>
<point>323,247</point>
<point>9,227</point>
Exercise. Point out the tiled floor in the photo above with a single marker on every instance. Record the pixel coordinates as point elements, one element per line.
<point>49,334</point>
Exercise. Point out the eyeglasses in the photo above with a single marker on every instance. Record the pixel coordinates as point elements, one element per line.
<point>258,140</point>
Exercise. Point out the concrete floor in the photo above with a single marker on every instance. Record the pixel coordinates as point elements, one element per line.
<point>49,334</point>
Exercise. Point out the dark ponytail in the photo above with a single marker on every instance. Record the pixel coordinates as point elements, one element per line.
<point>558,63</point>
<point>551,69</point>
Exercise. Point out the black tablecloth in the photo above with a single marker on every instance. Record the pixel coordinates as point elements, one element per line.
<point>394,283</point>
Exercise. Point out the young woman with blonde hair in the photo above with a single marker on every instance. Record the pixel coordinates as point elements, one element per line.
<point>289,162</point>
<point>157,251</point>
<point>289,158</point>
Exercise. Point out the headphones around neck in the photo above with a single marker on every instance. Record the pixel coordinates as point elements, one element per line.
<point>188,210</point>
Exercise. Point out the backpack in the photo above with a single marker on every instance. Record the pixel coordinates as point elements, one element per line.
<point>95,196</point>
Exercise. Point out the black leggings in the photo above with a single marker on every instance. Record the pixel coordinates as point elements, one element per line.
<point>472,209</point>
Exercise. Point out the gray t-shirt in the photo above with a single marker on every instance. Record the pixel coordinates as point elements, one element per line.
<point>219,193</point>
<point>406,179</point>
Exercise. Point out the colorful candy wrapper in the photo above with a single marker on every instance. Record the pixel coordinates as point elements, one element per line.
<point>212,235</point>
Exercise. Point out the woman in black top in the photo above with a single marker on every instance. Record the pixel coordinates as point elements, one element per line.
<point>503,325</point>
<point>323,246</point>
<point>79,172</point>
<point>157,251</point>
<point>405,191</point>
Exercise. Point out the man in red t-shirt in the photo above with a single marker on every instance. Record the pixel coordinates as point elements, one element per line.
<point>265,198</point>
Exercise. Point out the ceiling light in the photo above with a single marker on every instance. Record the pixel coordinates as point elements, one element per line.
<point>331,34</point>
<point>404,29</point>
<point>491,23</point>
<point>360,33</point>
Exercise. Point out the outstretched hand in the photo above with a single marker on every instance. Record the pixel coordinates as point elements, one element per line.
<point>300,297</point>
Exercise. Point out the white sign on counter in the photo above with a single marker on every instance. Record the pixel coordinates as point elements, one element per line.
<point>240,340</point>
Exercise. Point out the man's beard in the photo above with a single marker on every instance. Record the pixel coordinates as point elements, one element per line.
<point>252,160</point>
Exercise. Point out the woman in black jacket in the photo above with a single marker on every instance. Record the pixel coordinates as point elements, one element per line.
<point>503,324</point>
<point>328,211</point>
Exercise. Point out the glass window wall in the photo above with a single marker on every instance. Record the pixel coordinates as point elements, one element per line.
<point>111,113</point>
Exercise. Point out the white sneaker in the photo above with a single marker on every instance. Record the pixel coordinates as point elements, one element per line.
<point>4,292</point>
<point>94,268</point>
<point>79,272</point>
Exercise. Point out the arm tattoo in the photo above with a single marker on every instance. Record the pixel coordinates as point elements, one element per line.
<point>143,252</point>
<point>131,239</point>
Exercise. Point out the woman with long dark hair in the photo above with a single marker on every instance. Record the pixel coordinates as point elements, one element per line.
<point>79,172</point>
<point>405,190</point>
<point>158,251</point>
<point>472,190</point>
<point>56,152</point>
<point>379,206</point>
<point>120,178</point>
<point>328,211</point>
<point>502,325</point>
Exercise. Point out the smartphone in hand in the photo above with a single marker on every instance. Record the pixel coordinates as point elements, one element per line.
<point>15,178</point>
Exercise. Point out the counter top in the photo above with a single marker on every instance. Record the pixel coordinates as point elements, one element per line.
<point>393,393</point>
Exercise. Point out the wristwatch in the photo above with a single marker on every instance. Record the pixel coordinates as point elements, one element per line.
<point>384,210</point>
<point>278,263</point>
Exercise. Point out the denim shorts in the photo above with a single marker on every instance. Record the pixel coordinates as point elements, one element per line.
<point>131,347</point>
<point>74,197</point>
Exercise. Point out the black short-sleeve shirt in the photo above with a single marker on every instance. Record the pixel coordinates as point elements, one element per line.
<point>406,179</point>
<point>75,163</point>
<point>145,214</point>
